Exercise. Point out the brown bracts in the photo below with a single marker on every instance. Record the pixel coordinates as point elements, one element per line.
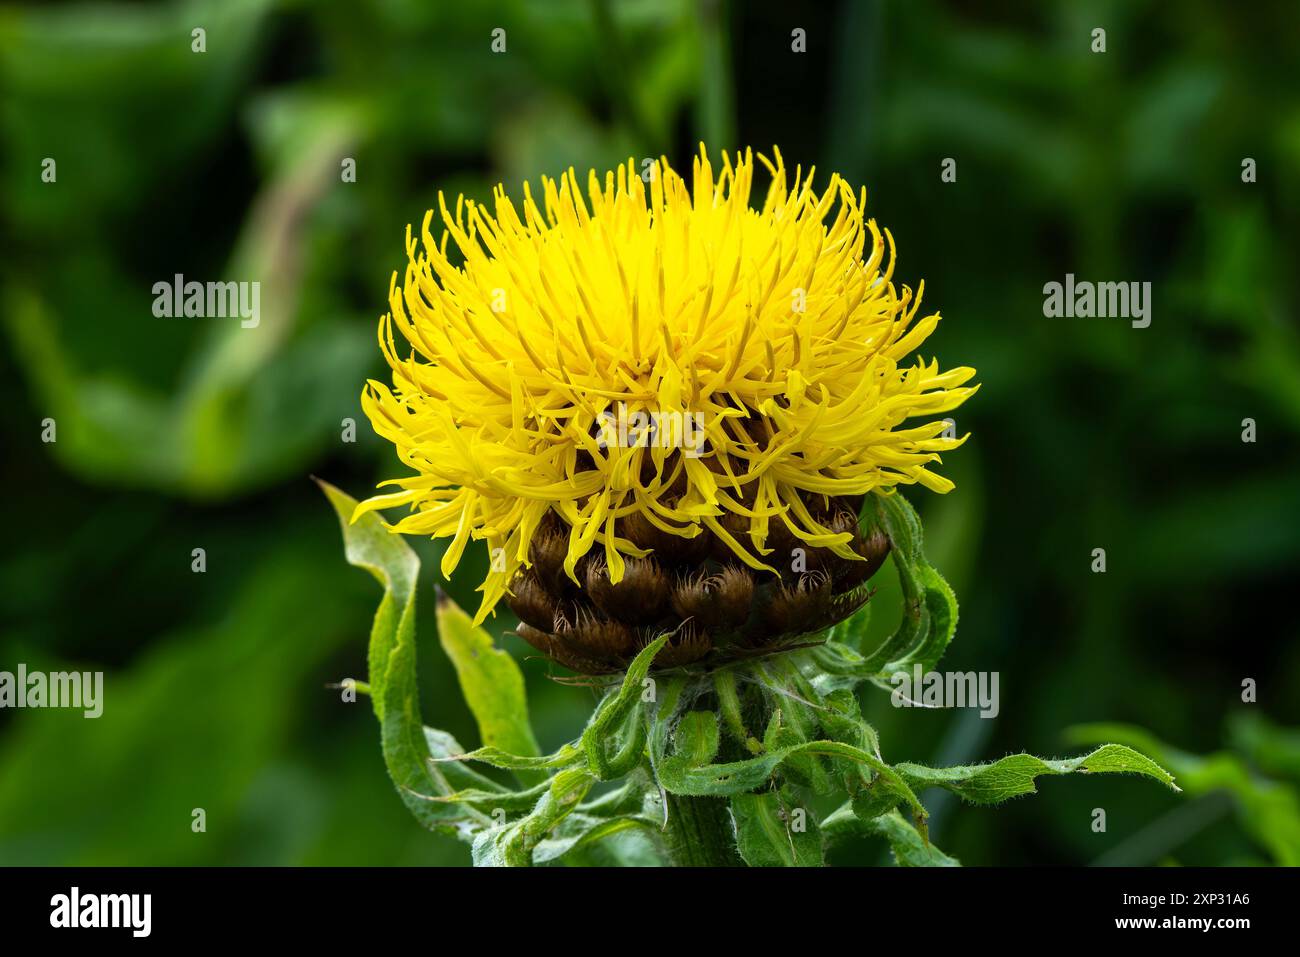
<point>715,608</point>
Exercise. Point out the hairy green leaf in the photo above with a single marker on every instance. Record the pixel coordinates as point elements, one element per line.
<point>660,718</point>
<point>512,844</point>
<point>580,831</point>
<point>798,710</point>
<point>723,780</point>
<point>454,775</point>
<point>490,801</point>
<point>613,713</point>
<point>1015,775</point>
<point>566,757</point>
<point>910,847</point>
<point>929,606</point>
<point>773,830</point>
<point>696,737</point>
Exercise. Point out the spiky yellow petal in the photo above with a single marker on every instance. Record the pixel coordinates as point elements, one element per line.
<point>781,332</point>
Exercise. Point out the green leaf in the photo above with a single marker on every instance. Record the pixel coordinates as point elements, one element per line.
<point>566,757</point>
<point>839,666</point>
<point>723,780</point>
<point>804,713</point>
<point>615,707</point>
<point>929,605</point>
<point>841,720</point>
<point>406,747</point>
<point>613,713</point>
<point>628,748</point>
<point>910,847</point>
<point>1015,775</point>
<point>870,801</point>
<point>634,796</point>
<point>660,719</point>
<point>489,801</point>
<point>490,680</point>
<point>941,623</point>
<point>900,522</point>
<point>788,728</point>
<point>369,545</point>
<point>455,775</point>
<point>579,831</point>
<point>772,830</point>
<point>696,737</point>
<point>512,844</point>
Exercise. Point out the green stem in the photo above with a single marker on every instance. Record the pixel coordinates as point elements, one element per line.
<point>700,832</point>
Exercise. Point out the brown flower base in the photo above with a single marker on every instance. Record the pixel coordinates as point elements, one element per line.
<point>715,608</point>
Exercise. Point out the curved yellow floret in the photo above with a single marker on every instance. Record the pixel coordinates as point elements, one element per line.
<point>766,346</point>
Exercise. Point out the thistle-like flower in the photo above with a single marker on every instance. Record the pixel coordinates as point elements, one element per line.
<point>660,407</point>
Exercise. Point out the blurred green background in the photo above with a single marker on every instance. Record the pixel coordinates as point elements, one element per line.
<point>175,434</point>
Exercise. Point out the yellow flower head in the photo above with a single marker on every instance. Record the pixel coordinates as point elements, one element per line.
<point>765,346</point>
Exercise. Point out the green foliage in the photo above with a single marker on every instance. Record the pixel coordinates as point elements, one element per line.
<point>427,766</point>
<point>695,740</point>
<point>1014,775</point>
<point>674,750</point>
<point>766,836</point>
<point>512,844</point>
<point>489,679</point>
<point>368,545</point>
<point>909,846</point>
<point>929,605</point>
<point>617,721</point>
<point>406,747</point>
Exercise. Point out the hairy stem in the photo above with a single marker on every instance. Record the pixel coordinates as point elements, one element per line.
<point>700,832</point>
